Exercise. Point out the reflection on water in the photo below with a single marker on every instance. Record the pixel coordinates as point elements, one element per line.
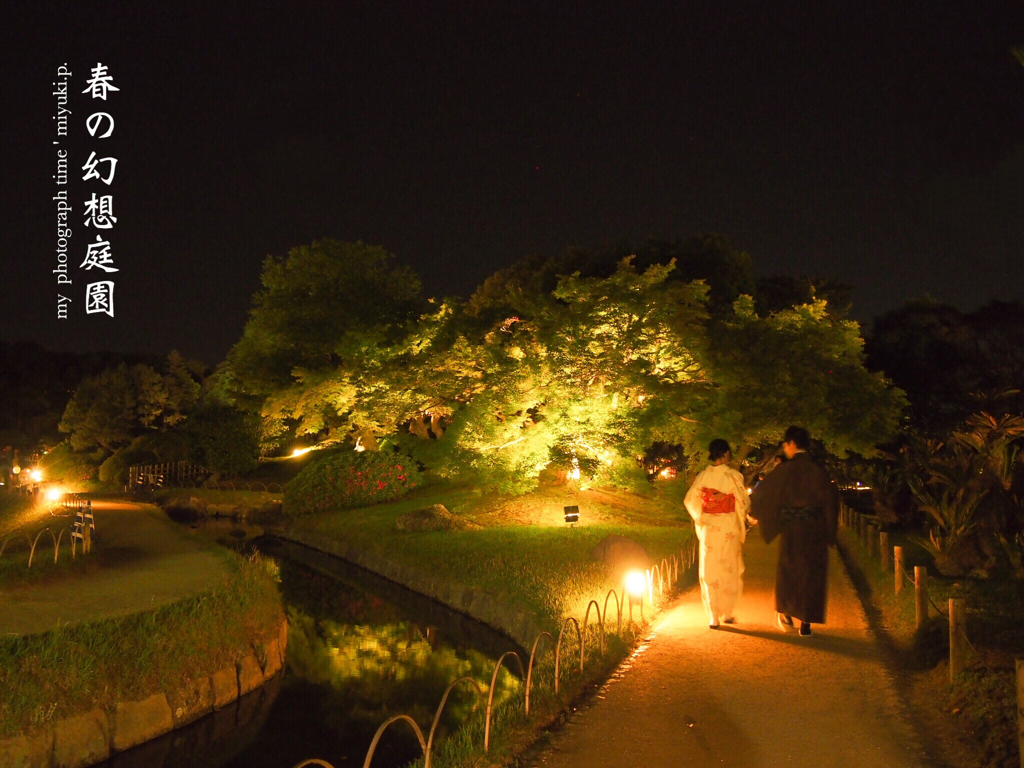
<point>360,650</point>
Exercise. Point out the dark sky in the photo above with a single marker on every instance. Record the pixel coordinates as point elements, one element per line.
<point>878,143</point>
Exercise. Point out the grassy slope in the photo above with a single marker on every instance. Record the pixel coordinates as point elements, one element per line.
<point>983,697</point>
<point>67,672</point>
<point>522,551</point>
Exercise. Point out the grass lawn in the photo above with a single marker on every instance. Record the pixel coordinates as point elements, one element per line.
<point>518,548</point>
<point>17,510</point>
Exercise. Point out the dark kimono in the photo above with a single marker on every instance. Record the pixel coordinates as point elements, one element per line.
<point>799,502</point>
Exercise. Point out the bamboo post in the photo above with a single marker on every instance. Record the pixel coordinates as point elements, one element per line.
<point>1020,709</point>
<point>883,545</point>
<point>897,554</point>
<point>872,541</point>
<point>921,594</point>
<point>957,631</point>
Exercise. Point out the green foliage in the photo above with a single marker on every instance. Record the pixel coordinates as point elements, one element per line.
<point>584,374</point>
<point>625,473</point>
<point>970,487</point>
<point>345,478</point>
<point>222,438</point>
<point>117,405</point>
<point>151,448</point>
<point>952,364</point>
<point>986,701</point>
<point>311,300</point>
<point>799,366</point>
<point>115,468</point>
<point>65,465</point>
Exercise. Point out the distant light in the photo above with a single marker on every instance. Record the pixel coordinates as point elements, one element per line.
<point>636,583</point>
<point>572,514</point>
<point>16,470</point>
<point>54,494</point>
<point>37,475</point>
<point>300,451</point>
<point>668,473</point>
<point>749,491</point>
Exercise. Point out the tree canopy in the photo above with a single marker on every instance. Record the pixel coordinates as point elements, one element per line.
<point>118,404</point>
<point>582,375</point>
<point>952,364</point>
<point>310,303</point>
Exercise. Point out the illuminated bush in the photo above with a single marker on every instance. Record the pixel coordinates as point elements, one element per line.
<point>348,479</point>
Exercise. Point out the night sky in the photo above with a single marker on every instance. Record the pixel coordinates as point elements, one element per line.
<point>881,144</point>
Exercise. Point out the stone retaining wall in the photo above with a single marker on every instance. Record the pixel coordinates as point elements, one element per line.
<point>475,603</point>
<point>92,737</point>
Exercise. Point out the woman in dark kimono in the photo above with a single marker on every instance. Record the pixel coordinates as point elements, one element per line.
<point>800,503</point>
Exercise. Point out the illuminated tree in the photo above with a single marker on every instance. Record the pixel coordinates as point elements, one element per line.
<point>799,366</point>
<point>311,302</point>
<point>582,377</point>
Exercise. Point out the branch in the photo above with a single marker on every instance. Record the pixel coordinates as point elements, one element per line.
<point>506,445</point>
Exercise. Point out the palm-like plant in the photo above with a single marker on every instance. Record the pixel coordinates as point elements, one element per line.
<point>964,486</point>
<point>951,496</point>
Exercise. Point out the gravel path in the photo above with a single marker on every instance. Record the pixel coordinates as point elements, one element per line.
<point>747,695</point>
<point>140,559</point>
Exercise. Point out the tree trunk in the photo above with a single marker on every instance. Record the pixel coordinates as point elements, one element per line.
<point>435,425</point>
<point>418,427</point>
<point>367,440</point>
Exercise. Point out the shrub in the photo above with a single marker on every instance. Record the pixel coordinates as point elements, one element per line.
<point>348,479</point>
<point>115,468</point>
<point>62,464</point>
<point>222,438</point>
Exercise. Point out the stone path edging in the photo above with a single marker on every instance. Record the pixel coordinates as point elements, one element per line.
<point>89,738</point>
<point>475,603</point>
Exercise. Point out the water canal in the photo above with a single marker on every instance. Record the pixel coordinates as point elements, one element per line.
<point>360,649</point>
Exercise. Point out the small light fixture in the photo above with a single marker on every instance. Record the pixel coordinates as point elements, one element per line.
<point>636,584</point>
<point>37,475</point>
<point>572,514</point>
<point>300,451</point>
<point>16,469</point>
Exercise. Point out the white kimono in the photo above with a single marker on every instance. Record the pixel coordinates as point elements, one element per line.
<point>721,539</point>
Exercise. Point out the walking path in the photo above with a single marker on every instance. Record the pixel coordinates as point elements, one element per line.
<point>746,695</point>
<point>140,560</point>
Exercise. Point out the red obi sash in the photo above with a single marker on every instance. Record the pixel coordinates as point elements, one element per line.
<point>716,503</point>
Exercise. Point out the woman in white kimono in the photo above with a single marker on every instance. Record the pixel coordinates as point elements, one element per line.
<point>718,502</point>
